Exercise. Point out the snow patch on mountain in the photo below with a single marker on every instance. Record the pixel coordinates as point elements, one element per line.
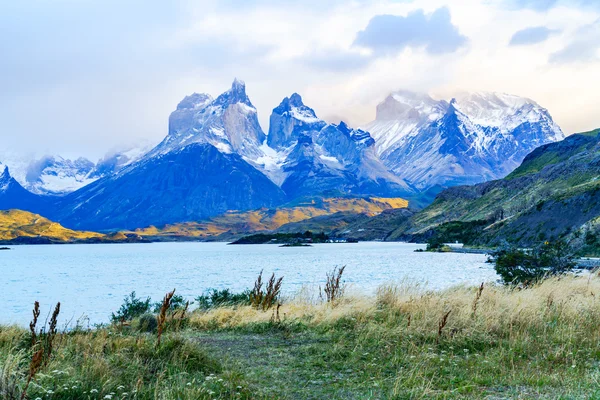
<point>505,112</point>
<point>402,115</point>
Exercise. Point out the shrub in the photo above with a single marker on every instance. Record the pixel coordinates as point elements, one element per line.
<point>590,238</point>
<point>216,298</point>
<point>526,266</point>
<point>435,244</point>
<point>147,323</point>
<point>131,308</point>
<point>177,303</point>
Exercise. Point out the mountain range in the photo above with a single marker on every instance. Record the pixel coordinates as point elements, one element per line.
<point>216,158</point>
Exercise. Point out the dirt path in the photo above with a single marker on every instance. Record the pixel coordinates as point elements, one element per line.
<point>287,367</point>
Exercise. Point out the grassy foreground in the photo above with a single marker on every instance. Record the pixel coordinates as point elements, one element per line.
<point>498,343</point>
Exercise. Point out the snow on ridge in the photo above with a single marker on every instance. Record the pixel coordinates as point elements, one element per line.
<point>304,115</point>
<point>500,110</point>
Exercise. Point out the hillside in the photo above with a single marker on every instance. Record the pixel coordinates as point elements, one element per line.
<point>240,222</point>
<point>554,193</point>
<point>22,224</point>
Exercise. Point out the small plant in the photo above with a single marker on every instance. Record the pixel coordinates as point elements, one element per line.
<point>34,366</point>
<point>147,323</point>
<point>265,299</point>
<point>477,298</point>
<point>273,291</point>
<point>131,308</point>
<point>9,378</point>
<point>42,355</point>
<point>442,324</point>
<point>182,313</point>
<point>162,315</point>
<point>33,323</point>
<point>334,289</point>
<point>275,318</point>
<point>256,296</point>
<point>48,338</point>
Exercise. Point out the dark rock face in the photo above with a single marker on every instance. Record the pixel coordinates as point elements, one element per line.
<point>290,120</point>
<point>189,184</point>
<point>13,195</point>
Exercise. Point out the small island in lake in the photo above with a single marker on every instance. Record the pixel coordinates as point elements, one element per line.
<point>295,239</point>
<point>296,244</point>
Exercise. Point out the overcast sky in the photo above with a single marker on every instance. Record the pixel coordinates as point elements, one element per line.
<point>79,77</point>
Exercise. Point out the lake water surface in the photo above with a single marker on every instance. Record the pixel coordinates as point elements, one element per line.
<point>92,279</point>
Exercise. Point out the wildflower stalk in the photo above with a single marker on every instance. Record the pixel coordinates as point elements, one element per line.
<point>477,298</point>
<point>162,315</point>
<point>33,323</point>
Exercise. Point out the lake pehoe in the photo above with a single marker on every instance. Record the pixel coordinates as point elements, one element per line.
<point>91,279</point>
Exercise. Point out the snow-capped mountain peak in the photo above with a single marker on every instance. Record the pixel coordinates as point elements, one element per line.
<point>56,175</point>
<point>501,110</point>
<point>236,94</point>
<point>404,104</point>
<point>229,123</point>
<point>400,116</point>
<point>474,137</point>
<point>290,119</point>
<point>195,101</point>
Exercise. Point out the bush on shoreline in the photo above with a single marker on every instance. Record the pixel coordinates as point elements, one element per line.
<point>528,266</point>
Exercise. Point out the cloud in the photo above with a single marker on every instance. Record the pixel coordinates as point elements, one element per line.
<point>584,47</point>
<point>538,5</point>
<point>532,35</point>
<point>545,5</point>
<point>390,34</point>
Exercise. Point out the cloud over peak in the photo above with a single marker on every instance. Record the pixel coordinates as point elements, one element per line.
<point>532,35</point>
<point>584,46</point>
<point>389,34</point>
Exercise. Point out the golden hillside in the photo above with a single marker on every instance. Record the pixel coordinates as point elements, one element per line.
<point>270,219</point>
<point>17,223</point>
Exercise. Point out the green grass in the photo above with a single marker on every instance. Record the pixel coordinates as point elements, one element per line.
<point>542,342</point>
<point>593,133</point>
<point>537,164</point>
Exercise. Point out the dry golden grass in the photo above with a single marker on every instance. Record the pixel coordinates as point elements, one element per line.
<point>270,219</point>
<point>499,308</point>
<point>15,223</point>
